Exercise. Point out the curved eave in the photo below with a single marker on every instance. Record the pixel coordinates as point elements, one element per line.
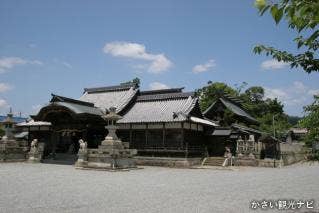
<point>64,107</point>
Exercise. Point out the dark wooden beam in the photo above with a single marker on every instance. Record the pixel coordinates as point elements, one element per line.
<point>164,133</point>
<point>183,136</point>
<point>131,134</point>
<point>146,134</point>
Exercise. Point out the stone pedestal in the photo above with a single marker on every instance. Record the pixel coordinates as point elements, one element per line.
<point>111,154</point>
<point>82,155</point>
<point>36,152</point>
<point>246,152</point>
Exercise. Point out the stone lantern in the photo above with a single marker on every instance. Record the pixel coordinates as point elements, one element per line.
<point>111,118</point>
<point>11,149</point>
<point>111,154</point>
<point>8,124</point>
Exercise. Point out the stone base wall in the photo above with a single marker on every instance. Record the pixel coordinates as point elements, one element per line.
<point>273,163</point>
<point>12,157</point>
<point>12,153</point>
<point>292,157</point>
<point>168,162</point>
<point>246,162</point>
<point>287,158</point>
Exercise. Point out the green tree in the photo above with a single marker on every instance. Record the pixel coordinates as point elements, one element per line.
<point>253,100</point>
<point>293,120</point>
<point>303,17</point>
<point>209,93</point>
<point>2,132</point>
<point>255,94</point>
<point>311,121</point>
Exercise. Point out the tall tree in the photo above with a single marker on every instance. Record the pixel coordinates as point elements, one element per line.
<point>311,121</point>
<point>209,93</point>
<point>303,17</point>
<point>254,101</point>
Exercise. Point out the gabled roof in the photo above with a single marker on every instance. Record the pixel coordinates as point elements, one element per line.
<point>75,106</point>
<point>247,129</point>
<point>58,98</point>
<point>170,107</point>
<point>236,108</point>
<point>106,97</point>
<point>78,108</point>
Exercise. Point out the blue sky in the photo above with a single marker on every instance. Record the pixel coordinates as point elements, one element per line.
<point>63,46</point>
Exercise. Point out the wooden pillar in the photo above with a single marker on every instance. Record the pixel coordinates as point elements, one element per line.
<point>164,133</point>
<point>131,134</point>
<point>183,137</point>
<point>54,138</point>
<point>186,146</point>
<point>84,135</point>
<point>29,136</point>
<point>146,135</point>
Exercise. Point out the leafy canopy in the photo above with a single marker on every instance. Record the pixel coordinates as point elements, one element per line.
<point>311,121</point>
<point>303,17</point>
<point>254,102</point>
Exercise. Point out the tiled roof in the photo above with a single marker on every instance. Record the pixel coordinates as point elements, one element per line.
<point>57,98</point>
<point>123,86</point>
<point>247,129</point>
<point>110,98</point>
<point>162,91</point>
<point>156,108</point>
<point>235,108</point>
<point>166,96</point>
<point>203,121</point>
<point>79,109</point>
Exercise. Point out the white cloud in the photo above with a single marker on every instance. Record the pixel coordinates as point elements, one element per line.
<point>273,64</point>
<point>5,87</point>
<point>204,67</point>
<point>158,85</point>
<point>273,93</point>
<point>32,45</point>
<point>3,103</point>
<point>294,97</point>
<point>158,62</point>
<point>7,63</point>
<point>313,92</point>
<point>66,64</point>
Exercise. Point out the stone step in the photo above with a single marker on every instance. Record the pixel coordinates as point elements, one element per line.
<point>214,161</point>
<point>62,158</point>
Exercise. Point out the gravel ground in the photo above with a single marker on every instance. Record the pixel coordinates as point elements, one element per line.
<point>62,188</point>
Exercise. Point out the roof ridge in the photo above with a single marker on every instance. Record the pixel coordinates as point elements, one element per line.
<point>165,96</point>
<point>162,91</point>
<point>122,86</point>
<point>58,98</point>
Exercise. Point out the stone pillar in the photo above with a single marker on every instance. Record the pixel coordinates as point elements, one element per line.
<point>240,147</point>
